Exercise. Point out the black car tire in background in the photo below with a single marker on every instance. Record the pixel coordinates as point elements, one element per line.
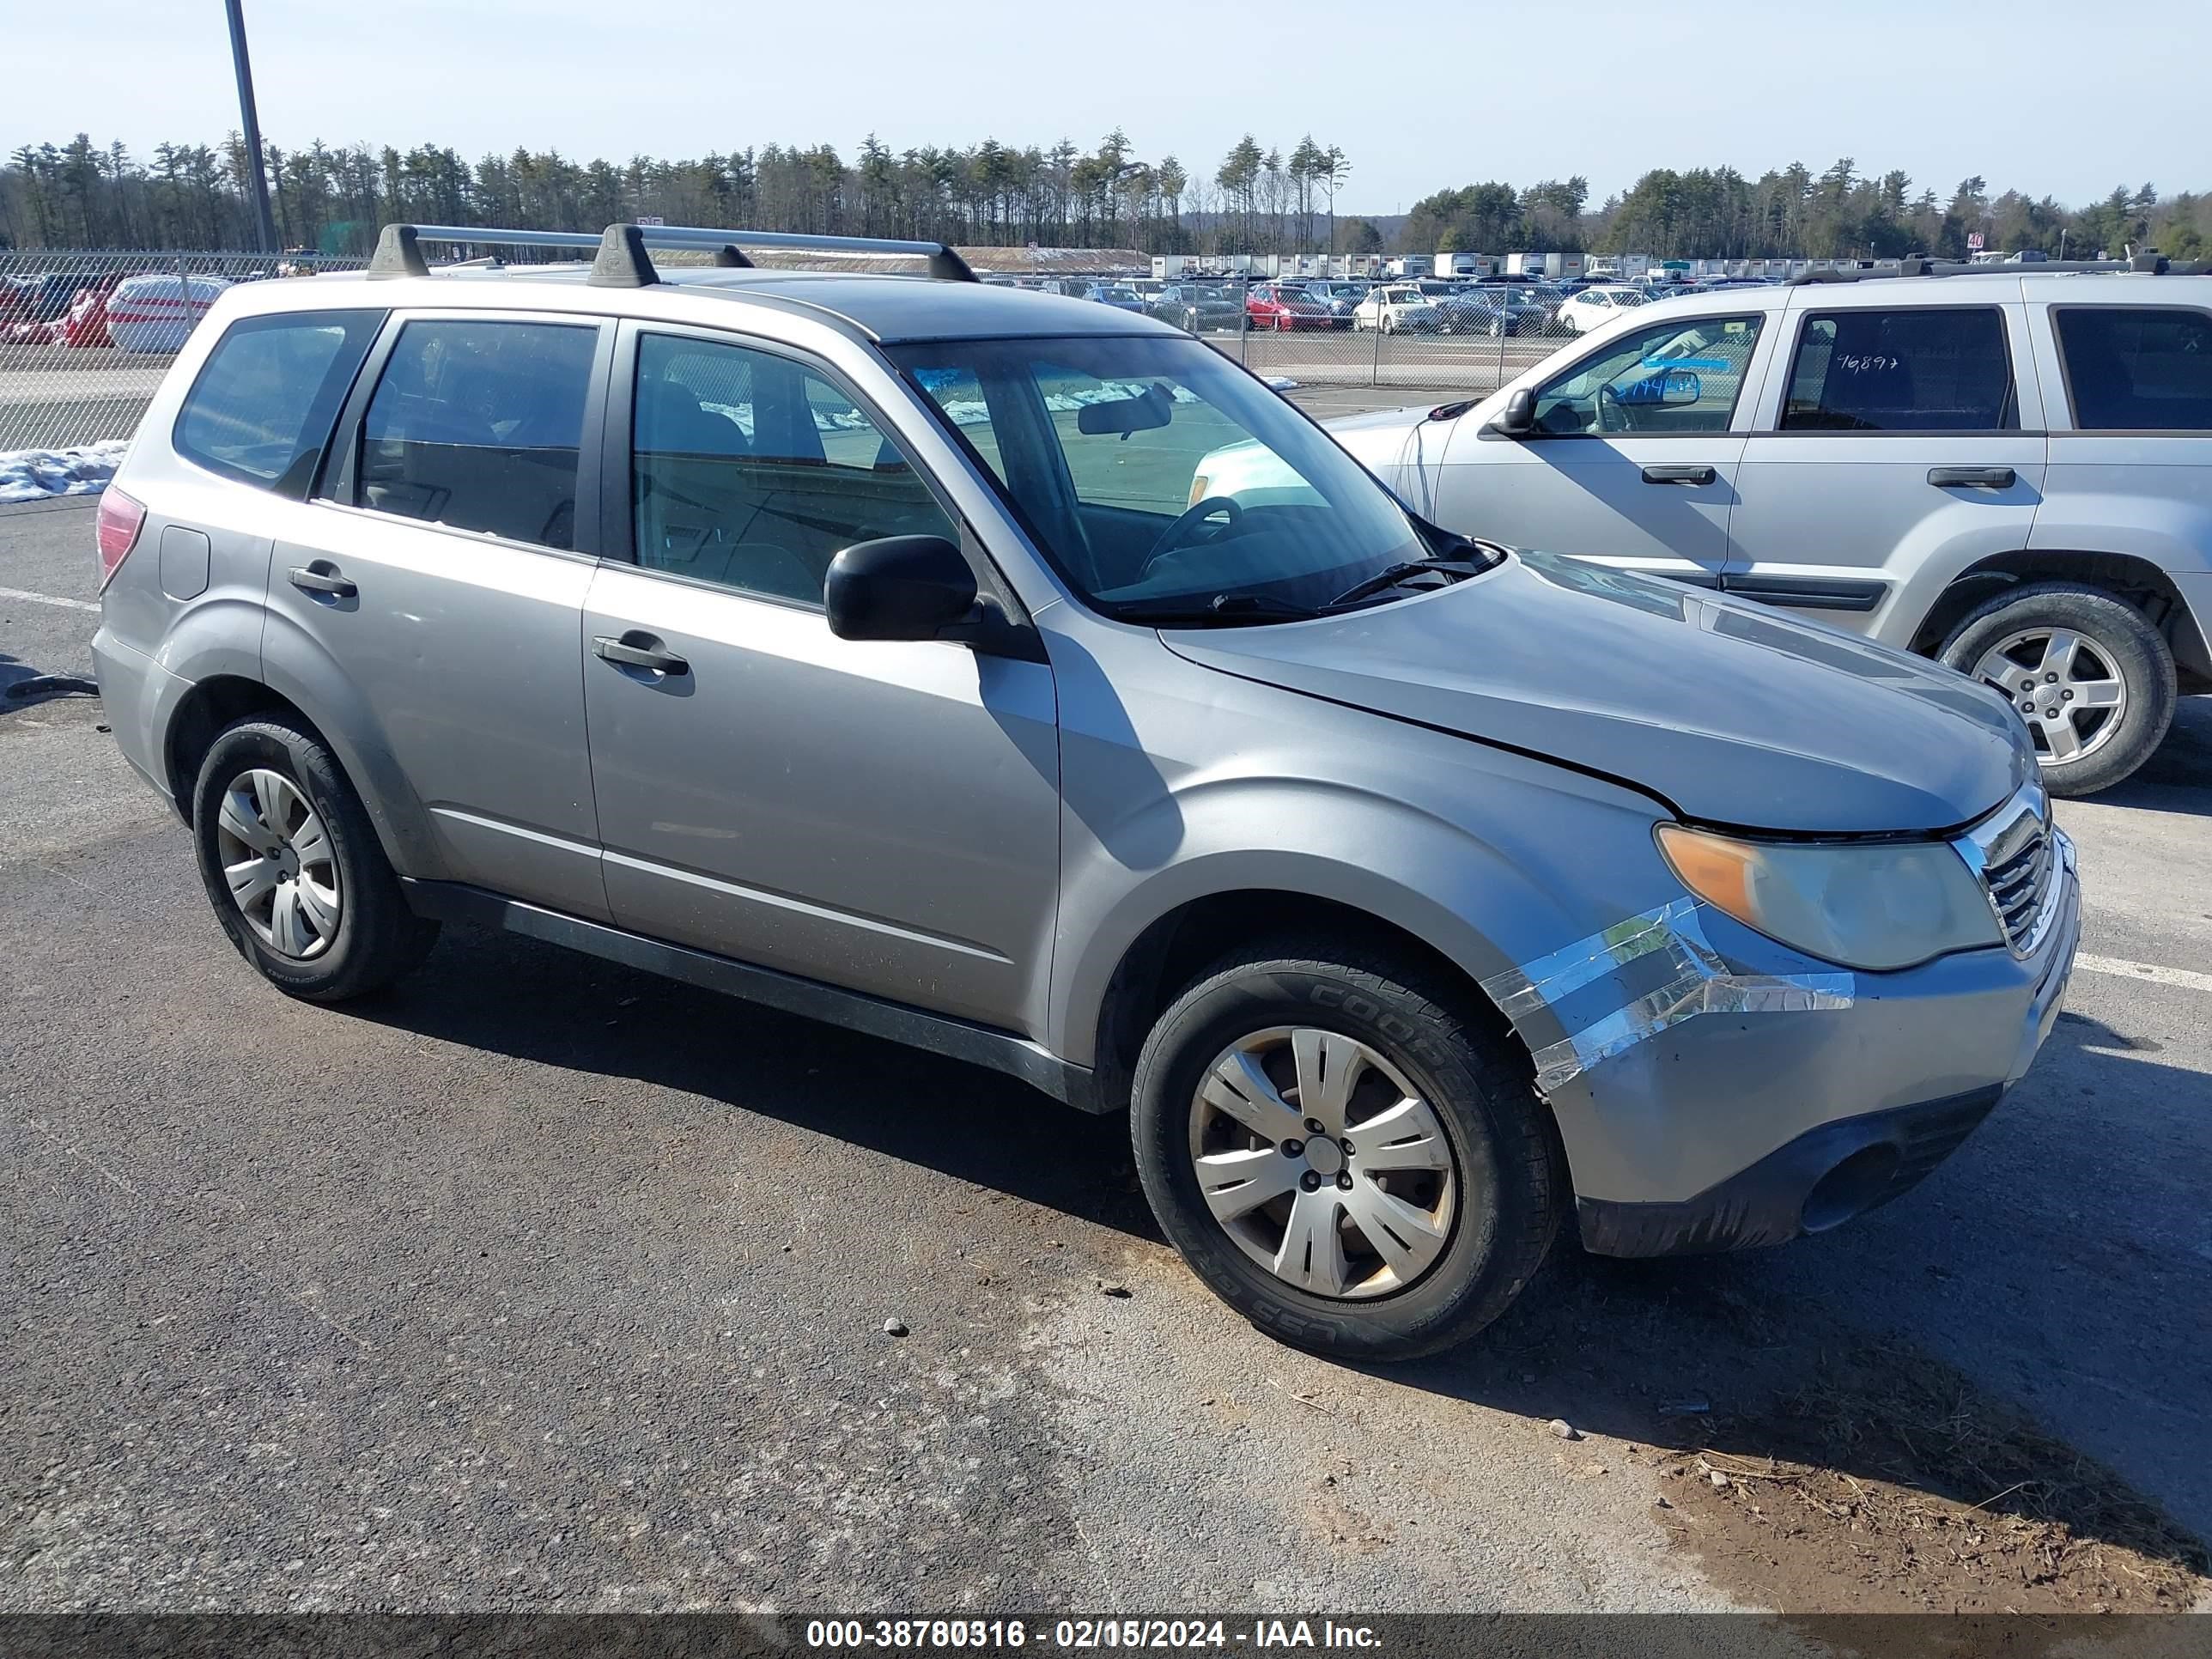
<point>2119,637</point>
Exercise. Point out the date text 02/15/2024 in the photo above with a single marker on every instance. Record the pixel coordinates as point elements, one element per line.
<point>1089,1635</point>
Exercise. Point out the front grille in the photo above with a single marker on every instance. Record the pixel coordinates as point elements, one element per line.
<point>2018,853</point>
<point>2019,886</point>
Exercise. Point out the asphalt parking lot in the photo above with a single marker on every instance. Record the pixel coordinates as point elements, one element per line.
<point>539,1283</point>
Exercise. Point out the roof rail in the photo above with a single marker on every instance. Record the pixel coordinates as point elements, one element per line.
<point>621,259</point>
<point>1921,265</point>
<point>624,262</point>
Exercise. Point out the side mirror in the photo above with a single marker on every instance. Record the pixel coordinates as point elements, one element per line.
<point>1518,418</point>
<point>898,587</point>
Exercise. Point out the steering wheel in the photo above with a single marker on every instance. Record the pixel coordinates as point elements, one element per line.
<point>1172,538</point>
<point>1612,413</point>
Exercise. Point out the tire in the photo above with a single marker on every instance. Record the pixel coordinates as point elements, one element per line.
<point>1509,1189</point>
<point>348,918</point>
<point>2117,643</point>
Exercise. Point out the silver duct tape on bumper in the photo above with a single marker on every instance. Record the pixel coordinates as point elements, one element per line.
<point>1703,984</point>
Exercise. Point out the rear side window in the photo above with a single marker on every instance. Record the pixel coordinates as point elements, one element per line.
<point>1949,370</point>
<point>2138,370</point>
<point>261,410</point>
<point>477,425</point>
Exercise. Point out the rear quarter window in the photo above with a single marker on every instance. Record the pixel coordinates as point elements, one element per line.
<point>262,406</point>
<point>2135,370</point>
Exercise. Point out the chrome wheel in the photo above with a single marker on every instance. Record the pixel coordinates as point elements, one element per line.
<point>1322,1162</point>
<point>2064,685</point>
<point>279,864</point>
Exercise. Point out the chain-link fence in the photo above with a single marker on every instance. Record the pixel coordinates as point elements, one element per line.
<point>86,334</point>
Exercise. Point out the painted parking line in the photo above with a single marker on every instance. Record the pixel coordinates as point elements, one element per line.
<point>49,599</point>
<point>2144,970</point>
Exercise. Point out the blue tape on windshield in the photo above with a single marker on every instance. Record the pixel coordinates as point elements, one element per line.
<point>1703,365</point>
<point>1702,984</point>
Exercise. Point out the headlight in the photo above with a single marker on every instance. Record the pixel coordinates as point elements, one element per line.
<point>1882,906</point>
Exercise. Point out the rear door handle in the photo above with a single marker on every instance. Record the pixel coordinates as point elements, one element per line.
<point>640,651</point>
<point>1971,478</point>
<point>1681,475</point>
<point>321,577</point>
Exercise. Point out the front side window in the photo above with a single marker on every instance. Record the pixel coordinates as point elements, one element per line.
<point>753,471</point>
<point>1159,478</point>
<point>1947,370</point>
<point>477,425</point>
<point>264,400</point>
<point>2134,369</point>
<point>1669,378</point>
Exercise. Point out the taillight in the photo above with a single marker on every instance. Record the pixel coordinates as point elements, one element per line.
<point>121,520</point>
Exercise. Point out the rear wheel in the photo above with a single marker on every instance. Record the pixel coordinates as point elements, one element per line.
<point>1344,1158</point>
<point>294,868</point>
<point>2086,672</point>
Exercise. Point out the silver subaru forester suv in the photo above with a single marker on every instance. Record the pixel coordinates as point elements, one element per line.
<point>855,645</point>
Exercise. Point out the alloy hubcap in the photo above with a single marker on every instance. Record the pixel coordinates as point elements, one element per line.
<point>1322,1164</point>
<point>2063,685</point>
<point>278,863</point>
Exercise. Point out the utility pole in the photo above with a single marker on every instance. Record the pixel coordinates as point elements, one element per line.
<point>265,226</point>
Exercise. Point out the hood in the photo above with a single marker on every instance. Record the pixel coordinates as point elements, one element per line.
<point>1376,438</point>
<point>1733,714</point>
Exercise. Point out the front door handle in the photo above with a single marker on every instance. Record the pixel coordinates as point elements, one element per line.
<point>635,650</point>
<point>1681,475</point>
<point>321,577</point>
<point>1971,478</point>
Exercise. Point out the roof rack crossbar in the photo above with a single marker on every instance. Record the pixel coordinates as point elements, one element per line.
<point>622,250</point>
<point>399,251</point>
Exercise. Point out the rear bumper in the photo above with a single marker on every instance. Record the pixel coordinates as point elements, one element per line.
<point>1821,1179</point>
<point>136,693</point>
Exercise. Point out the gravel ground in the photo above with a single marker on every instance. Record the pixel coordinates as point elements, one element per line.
<point>542,1284</point>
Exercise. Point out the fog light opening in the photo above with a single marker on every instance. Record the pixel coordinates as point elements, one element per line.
<point>1854,1185</point>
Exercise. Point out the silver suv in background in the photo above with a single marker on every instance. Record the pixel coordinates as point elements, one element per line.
<point>2011,473</point>
<point>873,648</point>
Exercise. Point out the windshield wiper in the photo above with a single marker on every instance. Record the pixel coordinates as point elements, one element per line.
<point>1391,575</point>
<point>1221,608</point>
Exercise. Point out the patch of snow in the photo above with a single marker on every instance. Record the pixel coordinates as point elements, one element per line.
<point>30,474</point>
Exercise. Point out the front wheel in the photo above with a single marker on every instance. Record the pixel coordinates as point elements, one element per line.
<point>2092,677</point>
<point>1342,1156</point>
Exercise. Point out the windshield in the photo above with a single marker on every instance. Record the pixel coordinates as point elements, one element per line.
<point>1108,449</point>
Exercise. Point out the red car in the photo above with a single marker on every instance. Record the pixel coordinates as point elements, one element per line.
<point>1269,307</point>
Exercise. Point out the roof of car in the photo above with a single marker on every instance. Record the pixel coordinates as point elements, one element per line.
<point>885,308</point>
<point>1965,287</point>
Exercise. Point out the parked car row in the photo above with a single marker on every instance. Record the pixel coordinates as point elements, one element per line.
<point>1421,306</point>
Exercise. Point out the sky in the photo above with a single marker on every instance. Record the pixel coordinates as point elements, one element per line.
<point>2050,96</point>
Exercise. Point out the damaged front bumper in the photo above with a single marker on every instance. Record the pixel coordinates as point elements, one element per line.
<point>1716,1090</point>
